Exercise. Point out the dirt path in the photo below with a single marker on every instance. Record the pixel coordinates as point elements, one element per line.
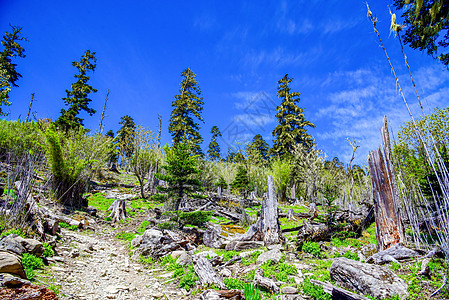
<point>97,266</point>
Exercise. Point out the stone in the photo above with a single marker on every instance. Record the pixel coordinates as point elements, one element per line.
<point>207,254</point>
<point>177,253</point>
<point>225,272</point>
<point>184,259</point>
<point>92,211</point>
<point>367,279</point>
<point>11,263</point>
<point>9,280</point>
<point>274,255</point>
<point>19,245</point>
<point>289,290</point>
<point>264,282</point>
<point>212,237</point>
<point>27,292</point>
<point>394,253</point>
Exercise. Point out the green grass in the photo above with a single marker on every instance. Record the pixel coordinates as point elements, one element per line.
<point>293,222</point>
<point>48,250</point>
<point>126,236</point>
<point>227,255</point>
<point>68,226</point>
<point>143,226</point>
<point>312,248</point>
<point>98,201</point>
<point>234,283</point>
<point>31,263</point>
<point>315,291</point>
<point>18,231</point>
<point>251,259</point>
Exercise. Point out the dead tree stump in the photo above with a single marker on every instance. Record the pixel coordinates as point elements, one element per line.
<point>118,211</point>
<point>270,224</point>
<point>203,268</point>
<point>389,227</point>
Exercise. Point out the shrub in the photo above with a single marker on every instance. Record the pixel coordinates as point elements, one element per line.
<point>315,291</point>
<point>351,255</point>
<point>31,263</point>
<point>252,292</point>
<point>189,279</point>
<point>197,218</point>
<point>18,231</point>
<point>167,225</point>
<point>234,283</point>
<point>48,250</point>
<point>312,248</point>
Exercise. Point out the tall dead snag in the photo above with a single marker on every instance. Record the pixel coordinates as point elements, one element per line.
<point>270,224</point>
<point>389,227</point>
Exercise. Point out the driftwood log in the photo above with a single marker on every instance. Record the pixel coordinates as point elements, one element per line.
<point>264,282</point>
<point>389,227</point>
<point>338,293</point>
<point>203,268</point>
<point>118,211</point>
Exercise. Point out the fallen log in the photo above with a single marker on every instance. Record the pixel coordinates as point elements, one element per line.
<point>203,268</point>
<point>338,293</point>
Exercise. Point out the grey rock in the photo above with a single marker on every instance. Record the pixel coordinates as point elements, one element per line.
<point>395,252</point>
<point>244,245</point>
<point>289,290</point>
<point>264,282</point>
<point>184,259</point>
<point>367,279</point>
<point>274,255</point>
<point>11,263</point>
<point>212,237</point>
<point>19,245</point>
<point>12,281</point>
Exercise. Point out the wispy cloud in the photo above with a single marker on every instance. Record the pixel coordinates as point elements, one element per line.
<point>356,110</point>
<point>280,57</point>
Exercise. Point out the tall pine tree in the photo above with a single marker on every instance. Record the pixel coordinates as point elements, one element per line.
<point>214,148</point>
<point>77,99</point>
<point>187,107</point>
<point>292,125</point>
<point>125,136</point>
<point>8,73</point>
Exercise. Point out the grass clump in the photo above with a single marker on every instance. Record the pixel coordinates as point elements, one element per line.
<point>101,203</point>
<point>351,255</point>
<point>68,226</point>
<point>142,227</point>
<point>189,279</point>
<point>252,292</point>
<point>315,291</point>
<point>251,259</point>
<point>227,255</point>
<point>48,250</point>
<point>126,236</point>
<point>312,248</point>
<point>31,263</point>
<point>234,283</point>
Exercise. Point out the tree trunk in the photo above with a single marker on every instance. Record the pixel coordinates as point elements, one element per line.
<point>389,227</point>
<point>205,272</point>
<point>270,226</point>
<point>292,188</point>
<point>118,211</point>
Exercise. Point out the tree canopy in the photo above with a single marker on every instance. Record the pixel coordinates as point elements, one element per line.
<point>214,148</point>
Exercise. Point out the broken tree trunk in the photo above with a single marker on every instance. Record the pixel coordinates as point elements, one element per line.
<point>203,268</point>
<point>389,227</point>
<point>118,211</point>
<point>270,224</point>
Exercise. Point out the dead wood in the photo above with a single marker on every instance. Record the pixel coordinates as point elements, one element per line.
<point>118,210</point>
<point>203,268</point>
<point>338,293</point>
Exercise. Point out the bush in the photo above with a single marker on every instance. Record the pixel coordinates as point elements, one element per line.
<point>315,291</point>
<point>351,255</point>
<point>189,279</point>
<point>198,218</point>
<point>31,263</point>
<point>48,250</point>
<point>312,248</point>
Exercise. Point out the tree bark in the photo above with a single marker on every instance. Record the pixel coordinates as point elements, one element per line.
<point>270,223</point>
<point>118,211</point>
<point>389,227</point>
<point>203,268</point>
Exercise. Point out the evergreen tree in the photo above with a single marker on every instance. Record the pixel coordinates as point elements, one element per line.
<point>8,73</point>
<point>222,183</point>
<point>187,106</point>
<point>292,127</point>
<point>257,150</point>
<point>77,99</point>
<point>125,136</point>
<point>241,181</point>
<point>427,24</point>
<point>214,148</point>
<point>180,167</point>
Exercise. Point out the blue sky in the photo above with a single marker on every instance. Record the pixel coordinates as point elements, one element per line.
<point>239,50</point>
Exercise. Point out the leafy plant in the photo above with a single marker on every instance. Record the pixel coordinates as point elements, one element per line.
<point>251,259</point>
<point>351,255</point>
<point>189,279</point>
<point>312,248</point>
<point>127,236</point>
<point>315,291</point>
<point>252,292</point>
<point>234,283</point>
<point>198,218</point>
<point>68,226</point>
<point>48,250</point>
<point>143,226</point>
<point>31,263</point>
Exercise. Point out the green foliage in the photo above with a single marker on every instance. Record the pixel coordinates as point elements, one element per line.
<point>222,183</point>
<point>77,98</point>
<point>125,136</point>
<point>143,226</point>
<point>252,292</point>
<point>187,107</point>
<point>8,73</point>
<point>315,291</point>
<point>251,259</point>
<point>189,279</point>
<point>167,225</point>
<point>281,172</point>
<point>17,231</point>
<point>21,138</point>
<point>198,218</point>
<point>180,167</point>
<point>346,242</point>
<point>146,260</point>
<point>426,26</point>
<point>351,255</point>
<point>395,266</point>
<point>214,148</point>
<point>126,236</point>
<point>234,283</point>
<point>48,250</point>
<point>227,255</point>
<point>55,288</point>
<point>68,226</point>
<point>31,263</point>
<point>101,203</point>
<point>292,125</point>
<point>312,248</point>
<point>241,181</point>
<point>278,271</point>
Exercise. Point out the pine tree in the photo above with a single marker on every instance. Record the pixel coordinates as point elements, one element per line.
<point>180,167</point>
<point>125,136</point>
<point>257,150</point>
<point>187,106</point>
<point>292,127</point>
<point>214,148</point>
<point>427,24</point>
<point>241,181</point>
<point>8,73</point>
<point>77,99</point>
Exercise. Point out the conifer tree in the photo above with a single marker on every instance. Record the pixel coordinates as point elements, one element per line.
<point>214,148</point>
<point>77,99</point>
<point>257,150</point>
<point>241,181</point>
<point>187,107</point>
<point>125,136</point>
<point>180,167</point>
<point>292,125</point>
<point>8,73</point>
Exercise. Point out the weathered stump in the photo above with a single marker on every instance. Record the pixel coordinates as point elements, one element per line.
<point>271,230</point>
<point>118,211</point>
<point>203,268</point>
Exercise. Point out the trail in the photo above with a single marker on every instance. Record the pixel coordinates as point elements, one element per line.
<point>97,266</point>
